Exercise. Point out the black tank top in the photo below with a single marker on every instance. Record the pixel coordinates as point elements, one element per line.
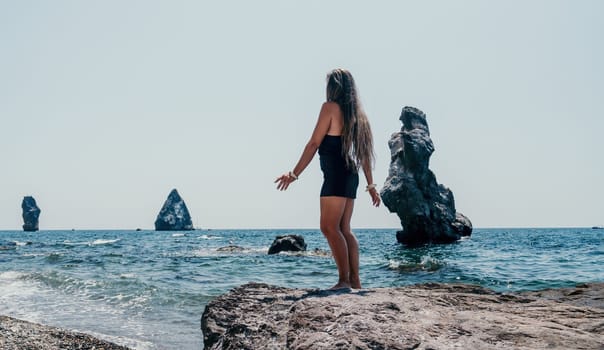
<point>330,153</point>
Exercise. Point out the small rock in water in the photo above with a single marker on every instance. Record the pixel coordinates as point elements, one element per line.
<point>231,249</point>
<point>287,243</point>
<point>174,215</point>
<point>31,214</point>
<point>321,252</point>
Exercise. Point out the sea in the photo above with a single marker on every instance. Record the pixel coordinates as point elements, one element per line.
<point>148,289</point>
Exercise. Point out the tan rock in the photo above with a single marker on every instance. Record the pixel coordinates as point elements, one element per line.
<point>429,316</point>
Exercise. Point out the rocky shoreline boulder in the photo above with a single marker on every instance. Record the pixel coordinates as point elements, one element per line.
<point>427,316</point>
<point>287,243</point>
<point>22,335</point>
<point>426,208</point>
<point>31,214</point>
<point>174,215</point>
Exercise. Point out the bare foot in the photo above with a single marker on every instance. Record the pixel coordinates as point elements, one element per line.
<point>355,283</point>
<point>341,285</point>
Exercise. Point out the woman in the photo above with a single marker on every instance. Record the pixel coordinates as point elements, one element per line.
<point>343,137</point>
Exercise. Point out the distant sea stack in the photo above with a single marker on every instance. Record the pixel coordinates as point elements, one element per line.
<point>426,208</point>
<point>31,214</point>
<point>174,215</point>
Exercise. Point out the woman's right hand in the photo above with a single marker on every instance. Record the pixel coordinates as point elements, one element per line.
<point>283,181</point>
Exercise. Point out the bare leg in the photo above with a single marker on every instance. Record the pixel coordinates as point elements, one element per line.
<point>332,209</point>
<point>352,243</point>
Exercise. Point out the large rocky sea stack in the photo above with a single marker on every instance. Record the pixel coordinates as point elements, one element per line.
<point>31,214</point>
<point>426,208</point>
<point>174,215</point>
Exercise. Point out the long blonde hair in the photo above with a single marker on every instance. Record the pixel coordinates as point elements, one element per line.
<point>357,140</point>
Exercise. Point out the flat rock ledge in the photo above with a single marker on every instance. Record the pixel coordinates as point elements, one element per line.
<point>22,335</point>
<point>426,316</point>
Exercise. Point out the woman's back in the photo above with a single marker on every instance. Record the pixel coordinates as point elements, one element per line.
<point>336,124</point>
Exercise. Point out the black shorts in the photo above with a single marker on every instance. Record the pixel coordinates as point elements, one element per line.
<point>340,184</point>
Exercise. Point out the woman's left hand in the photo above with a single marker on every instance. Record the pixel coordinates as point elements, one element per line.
<point>375,197</point>
<point>283,181</point>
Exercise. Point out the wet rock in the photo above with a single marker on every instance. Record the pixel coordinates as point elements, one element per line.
<point>231,249</point>
<point>287,243</point>
<point>31,214</point>
<point>426,208</point>
<point>321,252</point>
<point>462,225</point>
<point>174,215</point>
<point>428,316</point>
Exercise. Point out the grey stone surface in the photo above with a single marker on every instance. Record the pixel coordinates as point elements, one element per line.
<point>287,243</point>
<point>426,209</point>
<point>174,215</point>
<point>428,316</point>
<point>31,214</point>
<point>21,335</point>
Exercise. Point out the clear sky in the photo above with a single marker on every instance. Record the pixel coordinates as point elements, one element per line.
<point>105,106</point>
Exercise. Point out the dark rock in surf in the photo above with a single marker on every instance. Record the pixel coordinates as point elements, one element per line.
<point>287,243</point>
<point>462,225</point>
<point>174,215</point>
<point>426,208</point>
<point>31,214</point>
<point>231,249</point>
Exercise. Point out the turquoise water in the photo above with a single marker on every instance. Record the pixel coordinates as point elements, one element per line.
<point>148,289</point>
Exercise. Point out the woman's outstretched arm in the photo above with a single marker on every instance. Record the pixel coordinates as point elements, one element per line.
<point>323,123</point>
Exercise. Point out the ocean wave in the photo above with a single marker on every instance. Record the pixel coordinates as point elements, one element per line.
<point>99,241</point>
<point>230,249</point>
<point>129,342</point>
<point>15,284</point>
<point>8,276</point>
<point>54,257</point>
<point>427,264</point>
<point>35,297</point>
<point>321,253</point>
<point>104,241</point>
<point>209,237</point>
<point>178,235</point>
<point>7,245</point>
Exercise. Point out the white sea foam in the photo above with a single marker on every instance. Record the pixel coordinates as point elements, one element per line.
<point>24,296</point>
<point>22,243</point>
<point>121,340</point>
<point>427,263</point>
<point>209,237</point>
<point>104,241</point>
<point>178,235</point>
<point>68,242</point>
<point>15,291</point>
<point>314,253</point>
